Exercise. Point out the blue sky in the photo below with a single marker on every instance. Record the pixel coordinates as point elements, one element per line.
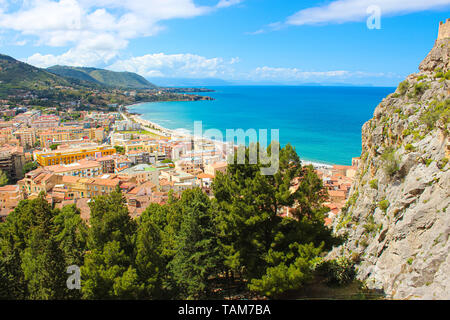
<point>251,41</point>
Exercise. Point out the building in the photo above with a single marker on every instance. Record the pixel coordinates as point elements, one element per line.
<point>10,196</point>
<point>214,168</point>
<point>142,173</point>
<point>37,181</point>
<point>107,163</point>
<point>67,156</point>
<point>84,168</point>
<point>46,121</point>
<point>69,134</point>
<point>7,137</point>
<point>12,160</point>
<point>194,167</point>
<point>86,187</point>
<point>26,136</point>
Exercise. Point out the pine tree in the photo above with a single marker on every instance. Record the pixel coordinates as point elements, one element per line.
<point>197,258</point>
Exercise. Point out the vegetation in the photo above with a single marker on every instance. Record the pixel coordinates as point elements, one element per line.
<point>120,149</point>
<point>103,77</point>
<point>428,162</point>
<point>54,146</point>
<point>391,163</point>
<point>403,87</point>
<point>409,147</point>
<point>30,166</point>
<point>374,184</point>
<point>337,272</point>
<point>191,248</point>
<point>419,88</point>
<point>371,227</point>
<point>436,111</point>
<point>384,205</point>
<point>3,178</point>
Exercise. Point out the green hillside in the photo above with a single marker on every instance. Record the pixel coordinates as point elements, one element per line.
<point>104,77</point>
<point>18,75</point>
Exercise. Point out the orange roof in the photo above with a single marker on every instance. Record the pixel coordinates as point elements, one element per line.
<point>336,193</point>
<point>9,188</point>
<point>220,164</point>
<point>70,179</point>
<point>205,176</point>
<point>339,167</point>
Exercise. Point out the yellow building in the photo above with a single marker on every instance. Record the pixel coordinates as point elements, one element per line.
<point>68,156</point>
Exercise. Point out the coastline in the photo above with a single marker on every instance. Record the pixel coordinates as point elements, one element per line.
<point>168,132</point>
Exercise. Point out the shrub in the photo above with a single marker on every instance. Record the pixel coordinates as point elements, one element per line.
<point>406,132</point>
<point>436,111</point>
<point>422,77</point>
<point>403,87</point>
<point>391,164</point>
<point>443,163</point>
<point>419,88</point>
<point>374,184</point>
<point>409,147</point>
<point>337,272</point>
<point>384,205</point>
<point>439,75</point>
<point>447,75</point>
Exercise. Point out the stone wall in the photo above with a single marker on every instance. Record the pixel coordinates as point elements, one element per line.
<point>444,30</point>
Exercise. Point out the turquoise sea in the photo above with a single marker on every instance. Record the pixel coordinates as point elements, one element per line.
<point>322,123</point>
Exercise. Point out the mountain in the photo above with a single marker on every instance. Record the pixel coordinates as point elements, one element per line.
<point>108,78</point>
<point>15,74</point>
<point>397,221</point>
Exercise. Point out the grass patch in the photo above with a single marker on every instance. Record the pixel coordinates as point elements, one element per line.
<point>384,205</point>
<point>435,112</point>
<point>391,163</point>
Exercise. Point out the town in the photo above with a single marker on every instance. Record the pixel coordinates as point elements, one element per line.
<point>73,156</point>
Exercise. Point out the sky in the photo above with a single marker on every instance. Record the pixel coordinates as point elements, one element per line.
<point>362,42</point>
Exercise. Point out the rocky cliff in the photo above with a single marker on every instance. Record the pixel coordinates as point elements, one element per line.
<point>397,219</point>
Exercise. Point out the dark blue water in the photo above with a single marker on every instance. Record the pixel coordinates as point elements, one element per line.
<point>322,123</point>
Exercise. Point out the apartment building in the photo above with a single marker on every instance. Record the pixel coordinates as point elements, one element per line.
<point>67,156</point>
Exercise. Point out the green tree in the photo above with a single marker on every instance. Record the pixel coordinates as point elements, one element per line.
<point>250,227</point>
<point>108,271</point>
<point>3,178</point>
<point>30,166</point>
<point>197,258</point>
<point>31,255</point>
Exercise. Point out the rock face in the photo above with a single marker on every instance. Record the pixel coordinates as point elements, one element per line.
<point>397,220</point>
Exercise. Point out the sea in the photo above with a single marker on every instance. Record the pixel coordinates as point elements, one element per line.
<point>322,123</point>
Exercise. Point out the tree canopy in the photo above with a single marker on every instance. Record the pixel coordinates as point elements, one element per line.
<point>193,247</point>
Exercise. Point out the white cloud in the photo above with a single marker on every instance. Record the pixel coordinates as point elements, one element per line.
<point>176,65</point>
<point>228,3</point>
<point>355,10</point>
<point>96,30</point>
<point>73,57</point>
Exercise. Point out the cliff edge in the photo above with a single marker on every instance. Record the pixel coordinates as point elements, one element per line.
<point>397,219</point>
